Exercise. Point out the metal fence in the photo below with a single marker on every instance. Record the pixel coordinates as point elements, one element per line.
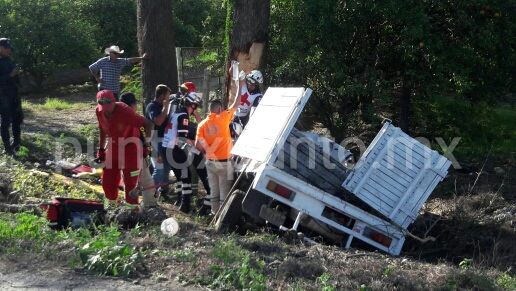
<point>192,68</point>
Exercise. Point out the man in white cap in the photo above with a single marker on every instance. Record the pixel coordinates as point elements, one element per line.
<point>107,69</point>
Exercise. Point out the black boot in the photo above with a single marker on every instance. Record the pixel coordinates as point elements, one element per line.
<point>205,210</point>
<point>185,203</point>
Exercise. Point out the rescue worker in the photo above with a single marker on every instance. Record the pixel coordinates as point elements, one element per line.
<point>124,149</point>
<point>199,166</point>
<point>214,140</point>
<point>251,95</point>
<point>145,180</point>
<point>175,147</point>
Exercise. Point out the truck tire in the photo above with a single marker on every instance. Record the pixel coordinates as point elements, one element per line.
<point>231,214</point>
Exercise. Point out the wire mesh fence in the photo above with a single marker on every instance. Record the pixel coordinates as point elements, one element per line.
<point>193,63</point>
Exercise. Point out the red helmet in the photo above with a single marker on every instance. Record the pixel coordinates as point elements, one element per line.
<point>188,87</point>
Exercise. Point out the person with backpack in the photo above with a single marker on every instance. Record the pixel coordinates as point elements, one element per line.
<point>175,147</point>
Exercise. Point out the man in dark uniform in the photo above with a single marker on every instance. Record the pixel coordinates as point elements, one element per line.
<point>175,147</point>
<point>10,103</point>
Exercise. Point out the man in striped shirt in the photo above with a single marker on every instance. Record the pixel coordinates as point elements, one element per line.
<point>107,69</point>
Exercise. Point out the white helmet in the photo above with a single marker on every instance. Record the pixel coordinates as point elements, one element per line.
<point>255,77</point>
<point>193,98</point>
<point>237,128</point>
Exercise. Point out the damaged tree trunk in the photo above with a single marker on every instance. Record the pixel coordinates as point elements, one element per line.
<point>249,26</point>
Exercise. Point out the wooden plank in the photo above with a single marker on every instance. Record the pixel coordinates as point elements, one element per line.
<point>407,176</point>
<point>400,184</point>
<point>371,194</point>
<point>386,194</point>
<point>410,158</point>
<point>393,192</point>
<point>409,191</point>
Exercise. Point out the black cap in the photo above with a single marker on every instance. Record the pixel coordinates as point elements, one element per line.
<point>128,98</point>
<point>5,42</point>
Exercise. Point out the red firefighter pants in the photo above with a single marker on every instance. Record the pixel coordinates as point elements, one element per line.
<point>126,167</point>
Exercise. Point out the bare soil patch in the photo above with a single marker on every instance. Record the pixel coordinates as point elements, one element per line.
<point>42,121</point>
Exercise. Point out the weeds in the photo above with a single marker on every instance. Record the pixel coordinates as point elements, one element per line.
<point>45,187</point>
<point>89,132</point>
<point>187,255</point>
<point>22,232</point>
<point>52,104</point>
<point>465,264</point>
<point>245,275</point>
<point>323,280</point>
<point>506,282</point>
<point>106,255</point>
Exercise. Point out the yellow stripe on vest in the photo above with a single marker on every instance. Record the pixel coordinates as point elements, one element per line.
<point>135,173</point>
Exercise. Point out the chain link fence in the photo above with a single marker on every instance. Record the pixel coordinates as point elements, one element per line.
<point>202,66</point>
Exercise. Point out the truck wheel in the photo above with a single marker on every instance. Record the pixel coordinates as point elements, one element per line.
<point>231,215</point>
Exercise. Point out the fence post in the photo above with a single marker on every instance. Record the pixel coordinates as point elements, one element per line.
<point>179,60</point>
<point>206,91</point>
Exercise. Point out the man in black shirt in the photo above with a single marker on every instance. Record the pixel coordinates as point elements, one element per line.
<point>10,103</point>
<point>157,112</point>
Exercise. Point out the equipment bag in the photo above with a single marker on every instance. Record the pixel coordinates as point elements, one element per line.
<point>67,212</point>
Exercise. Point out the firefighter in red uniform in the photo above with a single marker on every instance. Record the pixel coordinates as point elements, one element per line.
<point>122,154</point>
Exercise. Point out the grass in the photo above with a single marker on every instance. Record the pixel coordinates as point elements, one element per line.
<point>23,232</point>
<point>51,104</point>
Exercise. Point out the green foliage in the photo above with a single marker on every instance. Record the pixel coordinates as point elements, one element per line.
<point>22,232</point>
<point>465,264</point>
<point>246,274</point>
<point>323,280</point>
<point>90,132</point>
<point>198,23</point>
<point>389,270</point>
<point>106,255</point>
<point>49,36</point>
<point>360,57</point>
<point>114,23</point>
<point>32,184</point>
<point>23,152</point>
<point>133,83</point>
<point>506,282</point>
<point>481,128</point>
<point>56,104</point>
<point>187,255</point>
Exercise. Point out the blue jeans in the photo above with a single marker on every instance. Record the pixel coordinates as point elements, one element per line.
<point>158,174</point>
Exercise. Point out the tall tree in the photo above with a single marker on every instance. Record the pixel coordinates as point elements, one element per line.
<point>249,26</point>
<point>156,37</point>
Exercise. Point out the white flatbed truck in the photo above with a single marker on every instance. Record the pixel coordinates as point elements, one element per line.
<point>392,179</point>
